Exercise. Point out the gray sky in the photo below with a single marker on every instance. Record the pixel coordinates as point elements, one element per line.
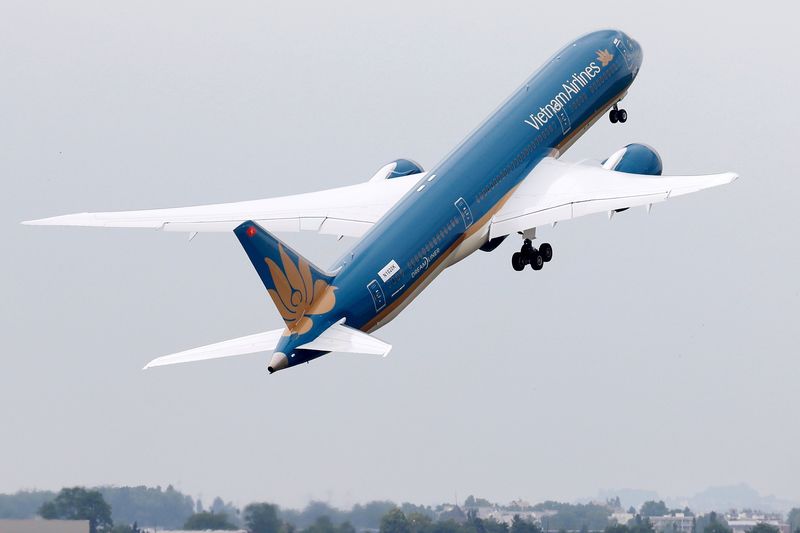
<point>657,352</point>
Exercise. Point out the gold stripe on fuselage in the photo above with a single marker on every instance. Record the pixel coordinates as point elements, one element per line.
<point>565,143</point>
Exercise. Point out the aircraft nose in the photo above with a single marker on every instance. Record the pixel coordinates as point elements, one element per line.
<point>635,47</point>
<point>279,361</point>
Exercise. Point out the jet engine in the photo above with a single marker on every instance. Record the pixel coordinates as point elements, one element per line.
<point>635,159</point>
<point>396,169</point>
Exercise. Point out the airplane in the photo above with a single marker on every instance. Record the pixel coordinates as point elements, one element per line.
<point>504,179</point>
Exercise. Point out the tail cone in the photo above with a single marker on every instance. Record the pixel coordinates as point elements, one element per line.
<point>278,362</point>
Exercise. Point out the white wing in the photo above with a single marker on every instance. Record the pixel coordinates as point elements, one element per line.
<point>556,191</point>
<point>347,211</point>
<point>337,338</point>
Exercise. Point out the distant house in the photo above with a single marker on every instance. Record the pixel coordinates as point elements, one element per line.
<point>44,526</point>
<point>743,526</point>
<point>677,523</point>
<point>451,512</point>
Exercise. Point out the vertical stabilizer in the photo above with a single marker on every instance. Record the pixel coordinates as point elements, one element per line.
<point>298,288</point>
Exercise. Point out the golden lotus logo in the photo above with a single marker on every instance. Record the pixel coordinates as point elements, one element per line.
<point>604,57</point>
<point>296,294</point>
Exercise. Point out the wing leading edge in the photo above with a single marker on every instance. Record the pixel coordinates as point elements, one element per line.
<point>556,190</point>
<point>350,211</point>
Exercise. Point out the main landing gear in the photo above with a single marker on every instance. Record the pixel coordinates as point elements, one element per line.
<point>528,255</point>
<point>617,115</point>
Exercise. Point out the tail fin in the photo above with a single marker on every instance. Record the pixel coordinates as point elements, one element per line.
<point>297,287</point>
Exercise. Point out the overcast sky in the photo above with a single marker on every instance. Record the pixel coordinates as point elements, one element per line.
<point>656,351</point>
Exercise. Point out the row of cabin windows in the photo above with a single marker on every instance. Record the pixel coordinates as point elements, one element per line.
<point>515,163</point>
<point>435,240</point>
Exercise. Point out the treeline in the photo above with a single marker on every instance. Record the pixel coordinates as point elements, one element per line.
<point>167,508</point>
<point>171,509</point>
<point>124,509</point>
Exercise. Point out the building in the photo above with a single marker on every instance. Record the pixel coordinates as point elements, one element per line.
<point>745,525</point>
<point>44,526</point>
<point>678,523</point>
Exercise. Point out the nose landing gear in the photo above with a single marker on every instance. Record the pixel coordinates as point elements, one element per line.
<point>617,115</point>
<point>528,255</point>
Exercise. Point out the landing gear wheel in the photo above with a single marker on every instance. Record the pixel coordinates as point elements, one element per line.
<point>546,251</point>
<point>622,115</point>
<point>517,262</point>
<point>537,261</point>
<point>613,116</point>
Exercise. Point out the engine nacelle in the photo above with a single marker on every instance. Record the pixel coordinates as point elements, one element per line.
<point>635,159</point>
<point>396,169</point>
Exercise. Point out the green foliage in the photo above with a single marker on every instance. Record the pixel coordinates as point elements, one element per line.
<point>262,518</point>
<point>444,526</point>
<point>148,506</point>
<point>395,521</point>
<point>419,522</point>
<point>573,517</point>
<point>711,523</point>
<point>472,501</point>
<point>323,524</point>
<point>369,515</point>
<point>23,504</point>
<point>218,506</point>
<point>314,510</point>
<point>794,519</point>
<point>640,524</point>
<point>208,520</point>
<point>520,525</point>
<point>616,528</point>
<point>78,503</point>
<point>762,527</point>
<point>652,508</point>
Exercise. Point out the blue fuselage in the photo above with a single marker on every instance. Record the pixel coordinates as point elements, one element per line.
<point>445,217</point>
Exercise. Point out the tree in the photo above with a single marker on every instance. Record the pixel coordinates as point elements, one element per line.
<point>616,528</point>
<point>165,508</point>
<point>322,524</point>
<point>652,508</point>
<point>763,527</point>
<point>208,520</point>
<point>520,525</point>
<point>23,504</point>
<point>218,506</point>
<point>262,518</point>
<point>419,522</point>
<point>395,522</point>
<point>640,525</point>
<point>78,503</point>
<point>713,524</point>
<point>794,519</point>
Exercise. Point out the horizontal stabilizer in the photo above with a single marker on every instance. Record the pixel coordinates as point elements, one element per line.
<point>341,338</point>
<point>258,342</point>
<point>337,338</point>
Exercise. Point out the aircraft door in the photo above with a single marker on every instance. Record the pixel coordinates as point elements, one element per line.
<point>563,118</point>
